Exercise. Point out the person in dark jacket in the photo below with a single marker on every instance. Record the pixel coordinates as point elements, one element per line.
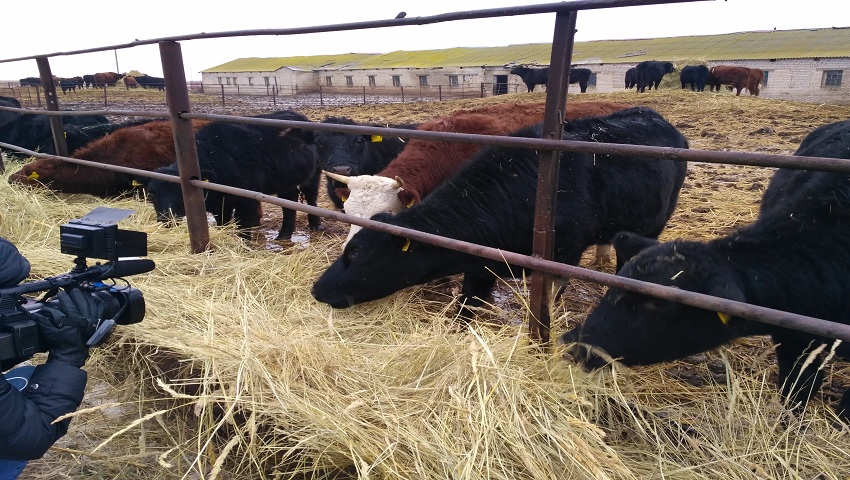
<point>32,398</point>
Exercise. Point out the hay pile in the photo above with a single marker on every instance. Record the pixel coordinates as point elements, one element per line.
<point>236,372</point>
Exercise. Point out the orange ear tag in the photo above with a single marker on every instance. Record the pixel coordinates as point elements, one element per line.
<point>724,317</point>
<point>377,138</point>
<point>406,245</point>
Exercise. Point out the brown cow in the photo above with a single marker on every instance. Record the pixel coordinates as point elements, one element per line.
<point>737,77</point>
<point>130,82</point>
<point>147,147</point>
<point>103,79</point>
<point>424,164</point>
<point>754,80</point>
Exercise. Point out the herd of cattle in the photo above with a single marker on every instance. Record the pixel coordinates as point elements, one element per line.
<point>98,80</point>
<point>648,75</point>
<point>486,195</point>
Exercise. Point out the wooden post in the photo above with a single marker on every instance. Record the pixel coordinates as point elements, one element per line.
<point>184,142</point>
<point>52,105</point>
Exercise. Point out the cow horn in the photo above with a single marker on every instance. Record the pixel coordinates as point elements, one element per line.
<point>398,182</point>
<point>337,177</point>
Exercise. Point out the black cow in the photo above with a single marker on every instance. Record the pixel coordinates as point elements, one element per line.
<point>153,82</point>
<point>631,78</point>
<point>33,131</point>
<point>88,80</point>
<point>355,154</point>
<point>490,200</point>
<point>580,76</point>
<point>531,77</point>
<point>713,82</point>
<point>696,75</point>
<point>794,257</point>
<point>5,115</point>
<point>650,73</point>
<point>67,84</point>
<point>30,82</point>
<point>268,159</point>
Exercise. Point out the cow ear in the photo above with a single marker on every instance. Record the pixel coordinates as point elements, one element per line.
<point>407,198</point>
<point>628,244</point>
<point>307,136</point>
<point>342,193</point>
<point>725,287</point>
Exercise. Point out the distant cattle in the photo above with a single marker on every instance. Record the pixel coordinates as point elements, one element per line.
<point>491,201</point>
<point>712,82</point>
<point>145,146</point>
<point>273,160</point>
<point>631,78</point>
<point>88,80</point>
<point>130,82</point>
<point>424,164</point>
<point>754,80</point>
<point>33,131</point>
<point>794,257</point>
<point>736,77</point>
<point>146,81</point>
<point>355,154</point>
<point>67,84</point>
<point>30,82</point>
<point>539,76</point>
<point>79,82</point>
<point>695,75</point>
<point>104,79</point>
<point>649,74</point>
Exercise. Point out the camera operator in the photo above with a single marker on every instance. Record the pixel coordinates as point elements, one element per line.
<point>32,398</point>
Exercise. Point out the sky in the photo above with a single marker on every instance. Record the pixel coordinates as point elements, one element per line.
<point>56,27</point>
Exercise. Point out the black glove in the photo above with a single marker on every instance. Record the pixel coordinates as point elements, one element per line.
<point>65,329</point>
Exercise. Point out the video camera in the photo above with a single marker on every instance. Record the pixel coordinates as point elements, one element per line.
<point>95,235</point>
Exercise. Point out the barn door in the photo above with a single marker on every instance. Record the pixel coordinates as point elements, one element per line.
<point>501,86</point>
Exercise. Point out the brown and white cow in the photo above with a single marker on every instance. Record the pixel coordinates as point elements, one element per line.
<point>425,164</point>
<point>147,147</point>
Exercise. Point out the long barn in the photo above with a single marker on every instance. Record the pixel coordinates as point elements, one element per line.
<point>806,65</point>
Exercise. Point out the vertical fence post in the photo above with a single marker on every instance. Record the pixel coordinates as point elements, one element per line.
<point>402,94</point>
<point>105,102</point>
<point>184,144</point>
<point>222,94</point>
<point>52,105</point>
<point>547,173</point>
<point>364,95</point>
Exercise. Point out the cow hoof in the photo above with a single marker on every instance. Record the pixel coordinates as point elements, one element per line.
<point>317,228</point>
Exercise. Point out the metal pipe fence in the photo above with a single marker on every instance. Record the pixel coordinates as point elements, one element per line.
<point>180,113</point>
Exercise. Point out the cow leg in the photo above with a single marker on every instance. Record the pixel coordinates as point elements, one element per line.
<point>477,286</point>
<point>247,216</point>
<point>797,381</point>
<point>311,196</point>
<point>287,225</point>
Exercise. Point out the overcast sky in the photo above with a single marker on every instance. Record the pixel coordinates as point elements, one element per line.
<point>50,26</point>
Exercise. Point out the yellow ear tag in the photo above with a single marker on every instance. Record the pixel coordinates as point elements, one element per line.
<point>406,246</point>
<point>724,317</point>
<point>377,138</point>
<point>33,176</point>
<point>136,183</point>
<point>410,204</point>
<point>343,199</point>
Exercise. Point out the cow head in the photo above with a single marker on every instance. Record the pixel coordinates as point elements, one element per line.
<point>638,329</point>
<point>369,195</point>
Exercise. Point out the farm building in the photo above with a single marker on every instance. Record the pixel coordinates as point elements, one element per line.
<point>806,65</point>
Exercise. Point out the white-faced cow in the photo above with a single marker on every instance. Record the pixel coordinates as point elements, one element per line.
<point>794,257</point>
<point>491,201</point>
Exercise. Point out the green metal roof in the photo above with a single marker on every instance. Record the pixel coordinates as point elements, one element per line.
<point>778,44</point>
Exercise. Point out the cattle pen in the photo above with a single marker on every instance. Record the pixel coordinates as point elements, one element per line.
<point>181,114</point>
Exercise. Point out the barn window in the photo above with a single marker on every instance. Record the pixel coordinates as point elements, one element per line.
<point>372,82</point>
<point>250,80</point>
<point>423,80</point>
<point>591,82</point>
<point>349,81</point>
<point>219,81</point>
<point>453,80</point>
<point>832,78</point>
<point>764,80</point>
<point>396,80</point>
<point>266,80</point>
<point>228,80</point>
<point>329,81</point>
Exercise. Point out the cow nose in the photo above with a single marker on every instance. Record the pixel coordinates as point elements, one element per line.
<point>341,170</point>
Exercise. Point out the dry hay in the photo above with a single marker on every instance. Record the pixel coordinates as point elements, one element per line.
<point>236,372</point>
